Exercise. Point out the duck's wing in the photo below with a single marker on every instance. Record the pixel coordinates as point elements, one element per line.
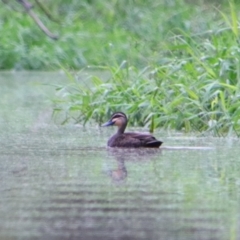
<point>143,140</point>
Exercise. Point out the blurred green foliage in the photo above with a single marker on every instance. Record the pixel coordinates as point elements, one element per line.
<point>99,32</point>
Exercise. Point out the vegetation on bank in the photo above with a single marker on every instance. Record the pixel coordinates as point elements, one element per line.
<point>96,32</point>
<point>195,86</point>
<point>169,64</point>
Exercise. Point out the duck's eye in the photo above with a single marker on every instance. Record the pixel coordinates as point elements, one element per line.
<point>114,119</point>
<point>117,121</point>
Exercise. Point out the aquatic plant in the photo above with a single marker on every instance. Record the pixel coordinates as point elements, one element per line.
<point>196,92</point>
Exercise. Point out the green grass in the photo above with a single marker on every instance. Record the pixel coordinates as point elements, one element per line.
<point>172,64</point>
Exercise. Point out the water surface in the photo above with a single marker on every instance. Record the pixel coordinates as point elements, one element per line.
<point>61,182</point>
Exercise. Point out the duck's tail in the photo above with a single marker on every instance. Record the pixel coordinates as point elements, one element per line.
<point>154,144</point>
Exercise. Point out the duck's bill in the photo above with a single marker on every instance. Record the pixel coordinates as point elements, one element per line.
<point>109,123</point>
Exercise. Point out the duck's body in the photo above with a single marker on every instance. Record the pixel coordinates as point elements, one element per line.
<point>129,139</point>
<point>133,140</point>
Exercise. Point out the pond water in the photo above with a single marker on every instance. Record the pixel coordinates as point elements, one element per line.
<point>61,182</point>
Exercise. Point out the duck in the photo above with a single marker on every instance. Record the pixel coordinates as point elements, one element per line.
<point>129,139</point>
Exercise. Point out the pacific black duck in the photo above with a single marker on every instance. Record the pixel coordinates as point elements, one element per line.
<point>129,139</point>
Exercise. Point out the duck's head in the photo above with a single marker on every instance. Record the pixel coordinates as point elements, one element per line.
<point>118,119</point>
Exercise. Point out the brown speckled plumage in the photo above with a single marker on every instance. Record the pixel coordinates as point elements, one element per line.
<point>129,139</point>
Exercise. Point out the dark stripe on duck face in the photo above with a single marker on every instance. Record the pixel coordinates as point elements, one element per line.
<point>118,115</point>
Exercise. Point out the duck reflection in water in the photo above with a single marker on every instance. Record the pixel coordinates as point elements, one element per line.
<point>129,139</point>
<point>120,173</point>
<point>127,156</point>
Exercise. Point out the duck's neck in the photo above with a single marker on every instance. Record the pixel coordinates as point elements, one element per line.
<point>121,128</point>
